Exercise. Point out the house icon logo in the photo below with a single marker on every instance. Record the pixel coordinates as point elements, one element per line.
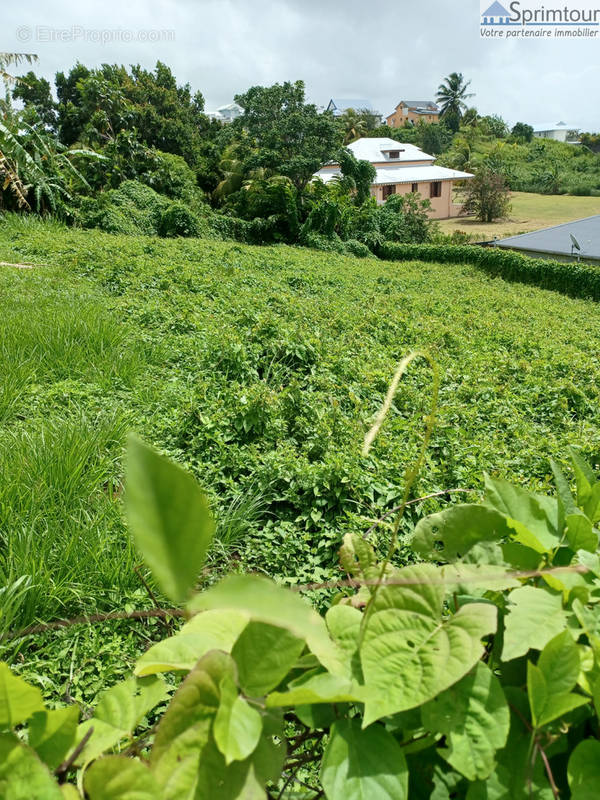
<point>496,14</point>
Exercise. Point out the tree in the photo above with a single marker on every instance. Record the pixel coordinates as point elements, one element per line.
<point>358,174</point>
<point>522,132</point>
<point>487,197</point>
<point>291,137</point>
<point>14,59</point>
<point>36,94</point>
<point>493,125</point>
<point>353,124</point>
<point>451,96</point>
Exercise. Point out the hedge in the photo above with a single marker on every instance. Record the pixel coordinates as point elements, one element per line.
<point>572,279</point>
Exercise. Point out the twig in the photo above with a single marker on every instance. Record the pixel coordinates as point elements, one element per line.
<point>66,765</point>
<point>86,620</point>
<point>152,596</point>
<point>411,503</point>
<point>553,785</point>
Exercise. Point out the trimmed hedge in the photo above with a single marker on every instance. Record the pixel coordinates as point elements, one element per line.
<point>572,279</point>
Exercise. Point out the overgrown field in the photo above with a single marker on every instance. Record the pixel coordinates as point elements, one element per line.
<point>260,370</point>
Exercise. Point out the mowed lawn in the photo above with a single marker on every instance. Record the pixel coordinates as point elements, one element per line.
<point>529,212</point>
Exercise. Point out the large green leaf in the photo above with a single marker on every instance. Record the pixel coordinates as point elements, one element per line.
<point>211,630</point>
<point>534,617</point>
<point>580,533</point>
<point>584,476</point>
<point>409,657</point>
<point>236,781</point>
<point>264,601</point>
<point>169,518</point>
<point>514,778</point>
<point>457,529</point>
<point>344,622</point>
<point>185,728</point>
<point>238,726</point>
<point>363,764</point>
<point>120,778</point>
<point>533,518</point>
<point>321,687</point>
<point>264,654</point>
<point>52,733</point>
<point>474,717</point>
<point>18,700</point>
<point>22,774</point>
<point>118,713</point>
<point>549,683</point>
<point>583,770</point>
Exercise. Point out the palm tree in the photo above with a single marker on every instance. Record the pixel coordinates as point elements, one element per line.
<point>354,125</point>
<point>451,95</point>
<point>6,59</point>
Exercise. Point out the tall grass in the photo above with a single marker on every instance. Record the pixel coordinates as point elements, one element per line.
<point>65,362</point>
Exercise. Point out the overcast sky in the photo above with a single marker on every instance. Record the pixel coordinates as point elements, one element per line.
<point>383,51</point>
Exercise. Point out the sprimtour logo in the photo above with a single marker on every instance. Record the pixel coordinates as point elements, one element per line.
<point>540,21</point>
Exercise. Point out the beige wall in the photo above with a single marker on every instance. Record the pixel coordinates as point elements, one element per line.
<point>441,207</point>
<point>398,118</point>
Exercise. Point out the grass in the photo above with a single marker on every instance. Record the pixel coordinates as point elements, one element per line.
<point>259,369</point>
<point>529,212</point>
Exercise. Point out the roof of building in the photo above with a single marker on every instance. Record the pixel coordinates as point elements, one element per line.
<point>557,241</point>
<point>415,104</point>
<point>343,104</point>
<point>374,149</point>
<point>554,126</point>
<point>231,107</point>
<point>398,174</point>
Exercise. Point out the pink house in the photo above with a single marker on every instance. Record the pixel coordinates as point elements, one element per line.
<point>401,169</point>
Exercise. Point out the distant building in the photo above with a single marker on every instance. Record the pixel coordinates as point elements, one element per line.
<point>226,113</point>
<point>559,131</point>
<point>412,111</point>
<point>578,240</point>
<point>339,106</point>
<point>401,169</point>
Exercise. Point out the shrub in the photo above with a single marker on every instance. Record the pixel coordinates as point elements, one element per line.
<point>133,208</point>
<point>576,280</point>
<point>356,248</point>
<point>178,220</point>
<point>487,196</point>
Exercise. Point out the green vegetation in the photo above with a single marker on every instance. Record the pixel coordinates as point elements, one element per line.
<point>418,681</point>
<point>258,369</point>
<point>528,213</point>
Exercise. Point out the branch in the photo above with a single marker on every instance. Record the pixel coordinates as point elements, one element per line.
<point>161,613</point>
<point>66,765</point>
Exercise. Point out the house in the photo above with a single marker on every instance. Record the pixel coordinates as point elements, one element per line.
<point>226,113</point>
<point>401,169</point>
<point>496,14</point>
<point>412,111</point>
<point>339,106</point>
<point>578,240</point>
<point>559,131</point>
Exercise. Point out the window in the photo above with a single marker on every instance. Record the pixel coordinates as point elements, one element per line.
<point>414,187</point>
<point>387,191</point>
<point>435,189</point>
<point>394,153</point>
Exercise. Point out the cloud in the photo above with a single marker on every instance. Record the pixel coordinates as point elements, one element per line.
<point>340,48</point>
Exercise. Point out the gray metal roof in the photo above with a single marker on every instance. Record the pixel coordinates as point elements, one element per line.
<point>419,103</point>
<point>556,240</point>
<point>342,104</point>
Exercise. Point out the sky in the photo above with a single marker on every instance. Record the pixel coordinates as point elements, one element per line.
<point>383,51</point>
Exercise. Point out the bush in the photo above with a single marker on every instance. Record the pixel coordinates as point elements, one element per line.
<point>358,249</point>
<point>133,208</point>
<point>572,279</point>
<point>178,220</point>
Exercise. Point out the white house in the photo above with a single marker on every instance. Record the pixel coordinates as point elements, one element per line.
<point>560,131</point>
<point>401,169</point>
<point>226,113</point>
